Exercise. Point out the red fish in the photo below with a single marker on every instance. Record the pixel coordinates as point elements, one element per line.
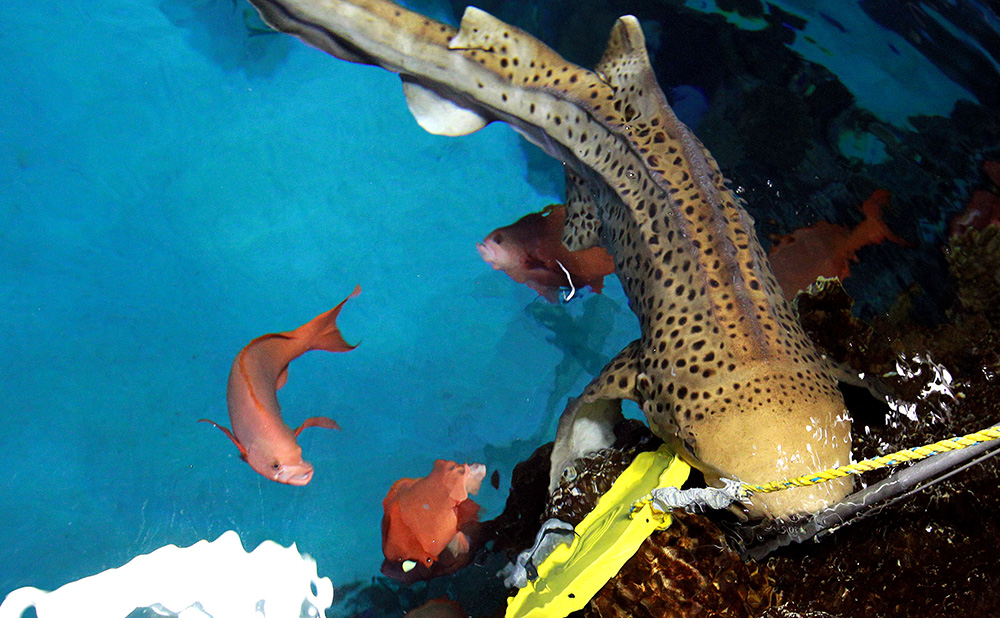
<point>827,249</point>
<point>428,528</point>
<point>259,371</point>
<point>531,252</point>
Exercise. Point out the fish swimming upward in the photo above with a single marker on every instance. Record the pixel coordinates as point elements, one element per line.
<point>531,251</point>
<point>722,368</point>
<point>259,371</point>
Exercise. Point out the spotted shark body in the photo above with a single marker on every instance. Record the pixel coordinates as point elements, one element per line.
<point>722,369</point>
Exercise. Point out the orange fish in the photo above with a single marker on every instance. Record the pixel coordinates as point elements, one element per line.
<point>826,249</point>
<point>259,371</point>
<point>531,252</point>
<point>429,524</point>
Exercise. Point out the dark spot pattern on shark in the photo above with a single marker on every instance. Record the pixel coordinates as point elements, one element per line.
<point>722,368</point>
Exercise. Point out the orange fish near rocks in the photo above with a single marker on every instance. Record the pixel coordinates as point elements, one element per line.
<point>259,371</point>
<point>531,251</point>
<point>827,249</point>
<point>430,524</point>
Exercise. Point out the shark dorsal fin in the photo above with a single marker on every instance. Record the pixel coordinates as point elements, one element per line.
<point>517,57</point>
<point>625,55</point>
<point>625,67</point>
<point>480,30</point>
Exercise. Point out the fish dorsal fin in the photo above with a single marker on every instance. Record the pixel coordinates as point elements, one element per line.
<point>438,115</point>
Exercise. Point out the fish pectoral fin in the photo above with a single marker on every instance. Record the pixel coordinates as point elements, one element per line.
<point>438,115</point>
<point>459,544</point>
<point>588,422</point>
<point>229,434</point>
<point>317,421</point>
<point>548,293</point>
<point>282,378</point>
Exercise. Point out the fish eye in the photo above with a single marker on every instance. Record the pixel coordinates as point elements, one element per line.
<point>275,466</point>
<point>498,238</point>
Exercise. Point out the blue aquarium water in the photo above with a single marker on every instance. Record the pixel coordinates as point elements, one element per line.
<point>173,188</point>
<point>174,181</point>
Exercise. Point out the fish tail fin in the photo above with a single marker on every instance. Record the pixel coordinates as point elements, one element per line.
<point>321,333</point>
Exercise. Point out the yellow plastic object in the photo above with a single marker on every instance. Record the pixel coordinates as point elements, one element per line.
<point>605,540</point>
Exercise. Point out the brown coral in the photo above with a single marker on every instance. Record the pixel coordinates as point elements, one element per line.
<point>974,262</point>
<point>687,570</point>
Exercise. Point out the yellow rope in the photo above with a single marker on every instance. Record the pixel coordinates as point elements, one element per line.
<point>911,454</point>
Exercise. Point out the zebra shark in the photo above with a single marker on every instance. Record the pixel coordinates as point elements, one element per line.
<point>722,368</point>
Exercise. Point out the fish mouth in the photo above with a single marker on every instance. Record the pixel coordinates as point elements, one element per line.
<point>298,474</point>
<point>489,255</point>
<point>487,252</point>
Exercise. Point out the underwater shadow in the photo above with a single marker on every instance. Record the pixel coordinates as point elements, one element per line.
<point>230,34</point>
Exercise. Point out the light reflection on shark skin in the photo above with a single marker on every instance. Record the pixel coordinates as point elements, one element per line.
<point>722,368</point>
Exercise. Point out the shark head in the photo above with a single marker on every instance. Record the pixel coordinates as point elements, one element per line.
<point>759,428</point>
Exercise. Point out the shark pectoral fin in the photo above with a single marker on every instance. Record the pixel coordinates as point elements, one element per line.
<point>438,115</point>
<point>871,383</point>
<point>588,422</point>
<point>618,378</point>
<point>584,427</point>
<point>229,434</point>
<point>582,228</point>
<point>317,421</point>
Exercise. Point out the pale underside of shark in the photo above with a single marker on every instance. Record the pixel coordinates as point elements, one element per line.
<point>722,368</point>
